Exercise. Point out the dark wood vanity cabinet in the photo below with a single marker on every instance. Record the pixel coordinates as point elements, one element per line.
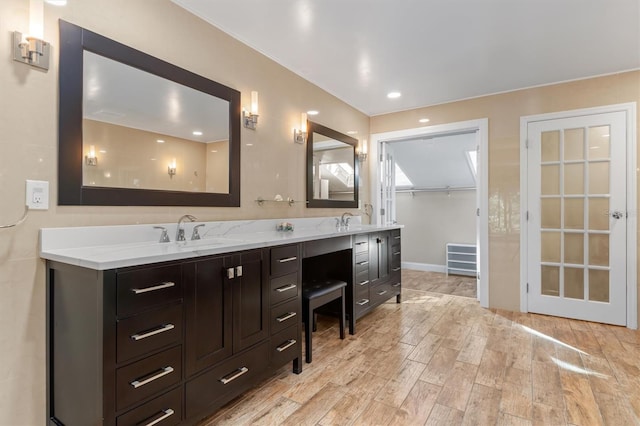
<point>168,343</point>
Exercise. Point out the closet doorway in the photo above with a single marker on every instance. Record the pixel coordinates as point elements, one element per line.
<point>433,180</point>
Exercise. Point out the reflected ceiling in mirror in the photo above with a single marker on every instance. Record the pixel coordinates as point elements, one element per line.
<point>138,125</point>
<point>136,130</point>
<point>332,169</point>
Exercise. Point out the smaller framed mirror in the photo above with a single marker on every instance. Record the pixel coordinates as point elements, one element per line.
<point>332,168</point>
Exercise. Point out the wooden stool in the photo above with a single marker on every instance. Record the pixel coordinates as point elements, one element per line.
<point>316,294</point>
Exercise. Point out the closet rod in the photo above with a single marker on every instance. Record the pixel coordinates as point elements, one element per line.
<point>445,189</point>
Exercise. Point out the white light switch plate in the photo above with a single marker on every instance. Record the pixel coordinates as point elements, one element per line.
<point>37,196</point>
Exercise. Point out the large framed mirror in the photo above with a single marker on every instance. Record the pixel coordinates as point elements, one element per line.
<point>136,130</point>
<point>332,168</point>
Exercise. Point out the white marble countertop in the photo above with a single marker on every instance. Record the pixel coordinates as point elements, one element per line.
<point>108,247</point>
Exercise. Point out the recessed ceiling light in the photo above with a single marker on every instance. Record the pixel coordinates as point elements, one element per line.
<point>249,144</point>
<point>102,151</point>
<point>352,132</point>
<point>160,140</point>
<point>213,150</point>
<point>197,133</point>
<point>393,95</point>
<point>424,120</point>
<point>57,2</point>
<point>312,112</point>
<point>152,159</point>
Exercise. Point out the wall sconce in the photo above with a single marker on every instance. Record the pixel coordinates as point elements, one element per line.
<point>32,50</point>
<point>362,151</point>
<point>171,169</point>
<point>250,119</point>
<point>91,159</point>
<point>300,135</point>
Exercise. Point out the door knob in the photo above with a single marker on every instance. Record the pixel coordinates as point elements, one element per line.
<point>617,214</point>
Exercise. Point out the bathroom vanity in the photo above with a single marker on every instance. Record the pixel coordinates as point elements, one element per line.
<point>148,333</point>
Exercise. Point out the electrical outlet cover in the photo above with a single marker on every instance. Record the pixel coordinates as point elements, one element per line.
<point>37,195</point>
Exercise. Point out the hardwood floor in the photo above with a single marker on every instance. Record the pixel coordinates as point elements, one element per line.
<point>458,285</point>
<point>438,359</point>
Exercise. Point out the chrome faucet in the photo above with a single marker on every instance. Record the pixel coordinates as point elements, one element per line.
<point>344,219</point>
<point>180,229</point>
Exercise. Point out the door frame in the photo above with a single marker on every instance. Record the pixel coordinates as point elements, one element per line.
<point>481,126</point>
<point>630,109</point>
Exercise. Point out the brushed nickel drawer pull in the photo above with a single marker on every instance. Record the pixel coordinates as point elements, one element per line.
<point>395,253</point>
<point>287,259</point>
<point>286,346</point>
<point>286,288</point>
<point>395,285</point>
<point>363,302</point>
<point>364,262</point>
<point>365,282</point>
<point>161,329</point>
<point>396,269</point>
<point>165,284</point>
<point>361,243</point>
<point>380,293</point>
<point>397,237</point>
<point>165,415</point>
<point>286,316</point>
<point>233,376</point>
<point>163,372</point>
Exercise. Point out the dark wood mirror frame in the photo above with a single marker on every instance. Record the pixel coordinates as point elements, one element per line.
<point>71,191</point>
<point>333,134</point>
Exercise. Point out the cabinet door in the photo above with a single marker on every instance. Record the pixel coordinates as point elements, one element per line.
<point>209,313</point>
<point>379,260</point>
<point>250,299</point>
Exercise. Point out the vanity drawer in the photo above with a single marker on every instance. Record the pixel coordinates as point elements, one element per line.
<point>362,262</point>
<point>361,243</point>
<point>285,315</point>
<point>284,260</point>
<point>149,376</point>
<point>147,332</point>
<point>165,410</point>
<point>362,279</point>
<point>395,236</point>
<point>362,304</point>
<point>285,346</point>
<point>226,380</point>
<point>381,293</point>
<point>141,289</point>
<point>284,288</point>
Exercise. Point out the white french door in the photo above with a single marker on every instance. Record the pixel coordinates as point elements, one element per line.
<point>577,217</point>
<point>387,185</point>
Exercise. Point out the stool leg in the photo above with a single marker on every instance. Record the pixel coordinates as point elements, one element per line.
<point>308,326</point>
<point>342,316</point>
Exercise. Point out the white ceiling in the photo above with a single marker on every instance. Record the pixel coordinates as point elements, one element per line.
<point>433,51</point>
<point>436,162</point>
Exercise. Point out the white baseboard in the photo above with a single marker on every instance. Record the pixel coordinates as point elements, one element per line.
<point>424,267</point>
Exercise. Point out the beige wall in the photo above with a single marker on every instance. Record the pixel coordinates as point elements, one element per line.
<point>28,150</point>
<point>433,219</point>
<point>504,112</point>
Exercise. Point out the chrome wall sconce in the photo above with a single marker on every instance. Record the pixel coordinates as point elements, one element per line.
<point>91,159</point>
<point>32,49</point>
<point>250,118</point>
<point>171,169</point>
<point>300,135</point>
<point>362,151</point>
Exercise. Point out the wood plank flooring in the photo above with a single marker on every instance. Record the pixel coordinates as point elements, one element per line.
<point>441,359</point>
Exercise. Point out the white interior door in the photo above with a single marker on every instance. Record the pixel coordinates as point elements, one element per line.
<point>387,185</point>
<point>577,217</point>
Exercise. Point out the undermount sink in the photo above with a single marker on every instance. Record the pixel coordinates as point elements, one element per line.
<point>208,242</point>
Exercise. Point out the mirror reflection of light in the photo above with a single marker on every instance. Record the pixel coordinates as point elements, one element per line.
<point>576,369</point>
<point>550,339</point>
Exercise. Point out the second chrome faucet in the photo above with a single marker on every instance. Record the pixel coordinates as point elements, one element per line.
<point>180,228</point>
